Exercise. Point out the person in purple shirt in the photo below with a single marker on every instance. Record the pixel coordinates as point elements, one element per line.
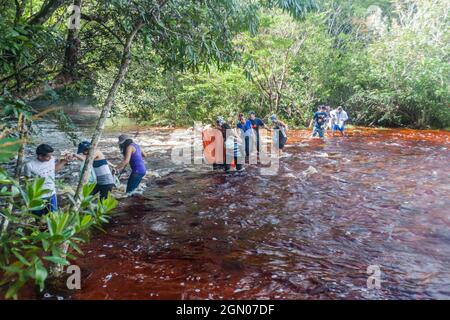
<point>134,156</point>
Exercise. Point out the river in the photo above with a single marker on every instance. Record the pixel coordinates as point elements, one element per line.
<point>378,198</point>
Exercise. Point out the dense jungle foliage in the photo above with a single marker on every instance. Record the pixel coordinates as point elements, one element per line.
<point>385,61</point>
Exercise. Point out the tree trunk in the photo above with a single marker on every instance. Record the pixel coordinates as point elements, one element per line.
<point>22,125</point>
<point>72,49</point>
<point>109,102</point>
<point>67,75</point>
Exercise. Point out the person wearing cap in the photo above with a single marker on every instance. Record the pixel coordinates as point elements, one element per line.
<point>134,156</point>
<point>338,116</point>
<point>231,147</point>
<point>280,130</point>
<point>101,174</point>
<point>45,166</point>
<point>319,122</point>
<point>256,124</point>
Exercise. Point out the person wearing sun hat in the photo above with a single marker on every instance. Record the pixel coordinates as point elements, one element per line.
<point>134,156</point>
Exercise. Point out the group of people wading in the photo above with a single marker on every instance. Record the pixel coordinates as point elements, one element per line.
<point>325,118</point>
<point>236,145</point>
<point>241,141</point>
<point>46,166</point>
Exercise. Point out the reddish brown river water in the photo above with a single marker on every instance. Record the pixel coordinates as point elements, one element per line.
<point>379,198</point>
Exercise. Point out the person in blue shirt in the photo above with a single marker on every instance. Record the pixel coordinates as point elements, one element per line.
<point>256,124</point>
<point>319,122</point>
<point>245,127</point>
<point>231,148</point>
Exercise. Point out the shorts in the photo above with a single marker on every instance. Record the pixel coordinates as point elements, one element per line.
<point>338,127</point>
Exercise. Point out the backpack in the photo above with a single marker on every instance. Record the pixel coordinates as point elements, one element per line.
<point>321,121</point>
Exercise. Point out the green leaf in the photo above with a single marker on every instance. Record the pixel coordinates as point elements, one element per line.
<point>40,274</point>
<point>57,260</point>
<point>21,258</point>
<point>85,221</point>
<point>8,148</point>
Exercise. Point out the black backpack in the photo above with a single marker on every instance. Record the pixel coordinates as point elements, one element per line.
<point>321,120</point>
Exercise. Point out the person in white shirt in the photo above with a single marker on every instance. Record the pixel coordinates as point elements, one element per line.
<point>338,118</point>
<point>45,166</point>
